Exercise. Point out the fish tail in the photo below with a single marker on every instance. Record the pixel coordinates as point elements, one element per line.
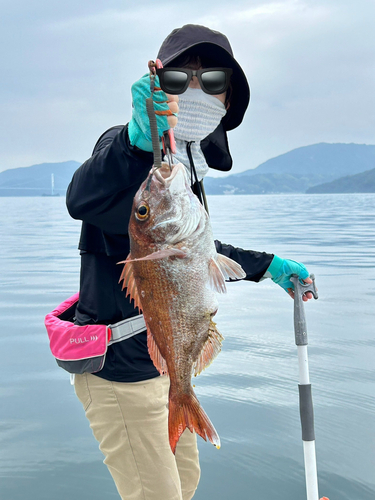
<point>186,412</point>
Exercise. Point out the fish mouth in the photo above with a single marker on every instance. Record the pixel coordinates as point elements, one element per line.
<point>166,174</point>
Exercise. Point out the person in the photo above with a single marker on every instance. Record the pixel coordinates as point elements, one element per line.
<point>126,401</point>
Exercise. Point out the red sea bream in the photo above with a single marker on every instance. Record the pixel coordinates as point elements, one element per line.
<point>173,273</point>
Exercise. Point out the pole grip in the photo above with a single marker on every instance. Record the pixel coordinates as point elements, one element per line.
<point>300,327</point>
<point>306,412</point>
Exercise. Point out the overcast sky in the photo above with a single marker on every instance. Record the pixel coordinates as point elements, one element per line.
<point>67,68</point>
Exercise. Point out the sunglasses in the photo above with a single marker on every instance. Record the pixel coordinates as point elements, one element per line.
<point>211,80</point>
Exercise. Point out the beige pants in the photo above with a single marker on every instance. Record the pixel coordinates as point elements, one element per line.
<point>130,422</point>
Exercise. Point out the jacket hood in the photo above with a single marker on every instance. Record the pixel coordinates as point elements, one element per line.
<point>200,40</point>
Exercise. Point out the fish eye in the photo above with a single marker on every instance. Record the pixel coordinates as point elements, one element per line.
<point>142,211</point>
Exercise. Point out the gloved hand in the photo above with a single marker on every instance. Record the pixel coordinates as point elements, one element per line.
<point>165,106</point>
<point>280,271</point>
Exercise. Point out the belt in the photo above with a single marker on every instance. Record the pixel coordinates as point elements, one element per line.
<point>126,328</point>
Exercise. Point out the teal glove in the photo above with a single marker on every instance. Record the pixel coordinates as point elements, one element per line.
<point>280,271</point>
<point>139,126</point>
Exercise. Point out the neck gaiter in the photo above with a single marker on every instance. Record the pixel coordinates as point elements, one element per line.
<point>199,115</point>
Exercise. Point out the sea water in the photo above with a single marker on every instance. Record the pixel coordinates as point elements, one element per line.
<point>250,392</point>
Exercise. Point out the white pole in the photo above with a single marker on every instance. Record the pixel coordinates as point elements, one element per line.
<point>311,473</point>
<point>306,405</point>
<point>303,365</point>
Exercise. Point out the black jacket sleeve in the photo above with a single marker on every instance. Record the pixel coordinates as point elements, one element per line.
<point>255,264</point>
<point>102,189</point>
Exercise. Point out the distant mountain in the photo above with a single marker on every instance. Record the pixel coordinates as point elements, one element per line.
<point>259,184</point>
<point>323,159</point>
<point>36,180</point>
<point>297,170</point>
<point>359,183</point>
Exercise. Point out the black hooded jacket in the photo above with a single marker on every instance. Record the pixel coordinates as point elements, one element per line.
<point>101,195</point>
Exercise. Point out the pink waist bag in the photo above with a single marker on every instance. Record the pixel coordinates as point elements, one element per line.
<point>77,349</point>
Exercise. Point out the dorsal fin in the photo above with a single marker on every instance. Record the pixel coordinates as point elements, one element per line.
<point>127,276</point>
<point>223,268</point>
<point>216,277</point>
<point>230,268</point>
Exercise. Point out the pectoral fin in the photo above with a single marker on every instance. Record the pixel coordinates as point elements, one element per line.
<point>160,254</point>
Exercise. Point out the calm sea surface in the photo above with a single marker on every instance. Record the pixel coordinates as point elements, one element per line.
<point>250,392</point>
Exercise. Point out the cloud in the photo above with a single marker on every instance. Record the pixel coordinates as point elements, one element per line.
<point>310,77</point>
<point>68,68</point>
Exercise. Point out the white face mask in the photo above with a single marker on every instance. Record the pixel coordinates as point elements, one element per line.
<point>199,114</point>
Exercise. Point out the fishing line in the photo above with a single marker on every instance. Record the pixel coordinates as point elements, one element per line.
<point>200,189</point>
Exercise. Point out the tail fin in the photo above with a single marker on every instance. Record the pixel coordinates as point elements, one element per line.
<point>186,411</point>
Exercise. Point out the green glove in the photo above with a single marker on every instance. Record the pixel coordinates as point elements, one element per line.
<point>280,271</point>
<point>139,126</point>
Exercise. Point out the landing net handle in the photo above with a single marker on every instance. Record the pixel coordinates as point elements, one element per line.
<point>304,386</point>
